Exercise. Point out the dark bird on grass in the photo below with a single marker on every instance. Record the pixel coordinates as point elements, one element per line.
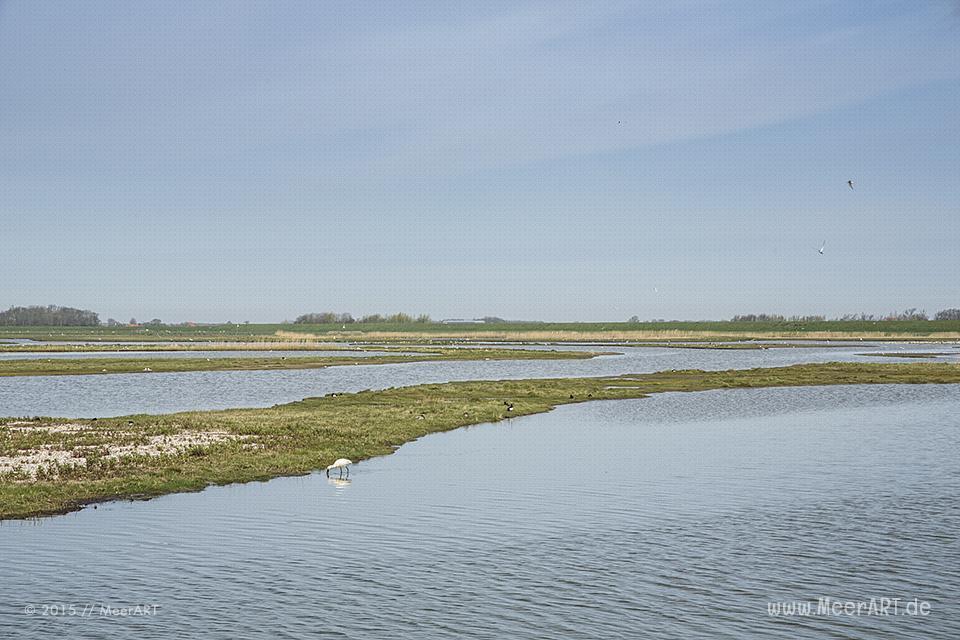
<point>850,183</point>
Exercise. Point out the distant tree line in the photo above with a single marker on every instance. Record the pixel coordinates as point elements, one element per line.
<point>775,317</point>
<point>50,316</point>
<point>907,314</point>
<point>858,317</point>
<point>948,314</point>
<point>329,317</point>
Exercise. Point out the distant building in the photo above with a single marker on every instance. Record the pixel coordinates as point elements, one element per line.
<point>462,321</point>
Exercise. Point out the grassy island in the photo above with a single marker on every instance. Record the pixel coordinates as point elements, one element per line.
<point>52,466</point>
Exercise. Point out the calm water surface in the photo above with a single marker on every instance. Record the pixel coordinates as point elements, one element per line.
<point>676,516</point>
<point>122,394</point>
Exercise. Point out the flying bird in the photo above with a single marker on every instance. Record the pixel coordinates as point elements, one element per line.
<point>822,247</point>
<point>850,183</point>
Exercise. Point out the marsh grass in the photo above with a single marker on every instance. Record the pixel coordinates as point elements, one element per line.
<point>908,354</point>
<point>300,437</point>
<point>625,336</point>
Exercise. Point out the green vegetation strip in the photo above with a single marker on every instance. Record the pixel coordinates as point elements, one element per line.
<point>550,331</point>
<point>132,346</point>
<point>51,466</point>
<point>394,346</point>
<point>102,366</point>
<point>908,354</point>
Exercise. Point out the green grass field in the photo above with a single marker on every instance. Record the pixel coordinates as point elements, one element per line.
<point>535,331</point>
<point>56,465</point>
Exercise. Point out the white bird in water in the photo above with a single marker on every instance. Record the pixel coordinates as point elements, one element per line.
<point>340,463</point>
<point>850,183</point>
<point>822,247</point>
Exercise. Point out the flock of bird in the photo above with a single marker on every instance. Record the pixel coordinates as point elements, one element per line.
<point>823,245</point>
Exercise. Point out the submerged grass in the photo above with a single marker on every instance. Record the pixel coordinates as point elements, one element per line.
<point>103,366</point>
<point>297,438</point>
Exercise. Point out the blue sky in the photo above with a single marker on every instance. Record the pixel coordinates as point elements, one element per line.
<point>564,161</point>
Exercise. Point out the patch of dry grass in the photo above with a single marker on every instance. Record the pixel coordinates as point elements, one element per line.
<point>606,336</point>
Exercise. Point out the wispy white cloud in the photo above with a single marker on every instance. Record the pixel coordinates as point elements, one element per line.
<point>546,82</point>
<point>211,87</point>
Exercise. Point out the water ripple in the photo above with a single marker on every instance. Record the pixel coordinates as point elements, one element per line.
<point>699,510</point>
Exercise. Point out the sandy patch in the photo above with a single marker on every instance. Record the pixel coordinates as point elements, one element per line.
<point>163,445</point>
<point>29,462</point>
<point>48,457</point>
<point>66,427</point>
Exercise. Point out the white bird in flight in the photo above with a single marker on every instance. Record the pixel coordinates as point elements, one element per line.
<point>822,247</point>
<point>850,183</point>
<point>340,463</point>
